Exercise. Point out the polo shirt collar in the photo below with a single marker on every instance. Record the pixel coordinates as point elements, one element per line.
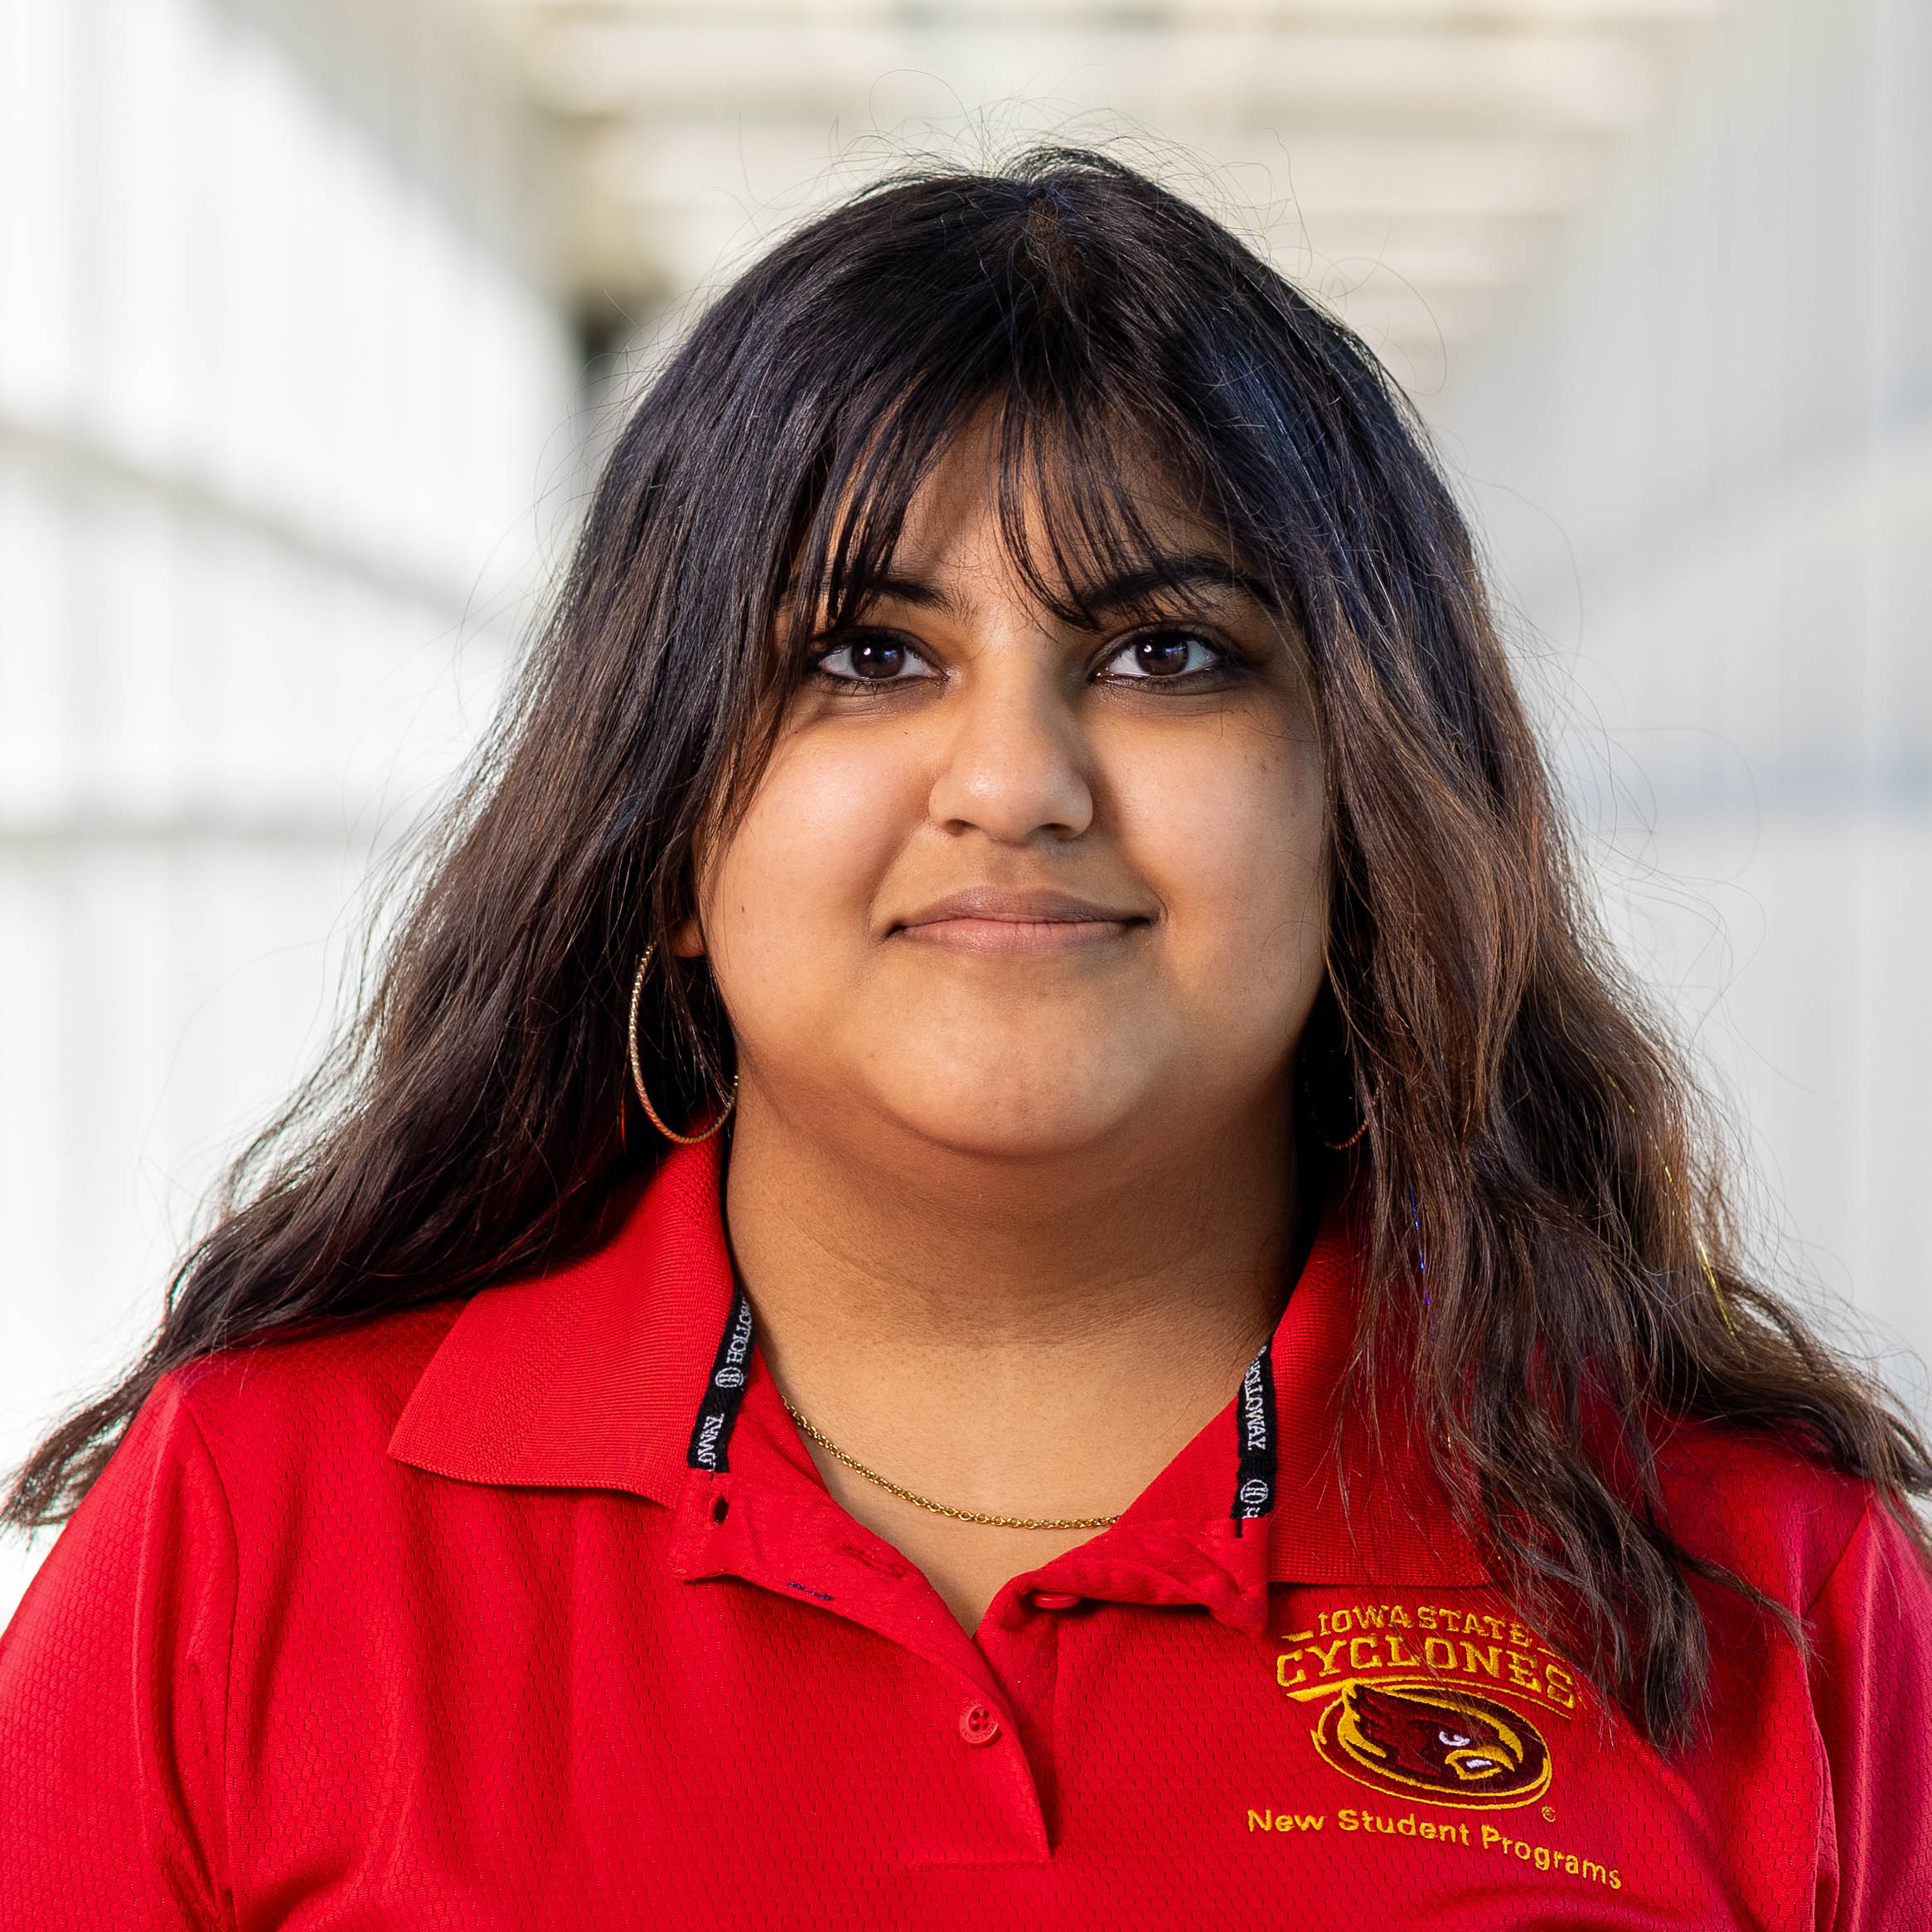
<point>626,1370</point>
<point>590,1377</point>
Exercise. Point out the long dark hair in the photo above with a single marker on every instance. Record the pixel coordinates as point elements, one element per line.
<point>1548,1243</point>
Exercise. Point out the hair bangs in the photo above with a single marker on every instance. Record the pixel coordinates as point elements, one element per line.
<point>1087,495</point>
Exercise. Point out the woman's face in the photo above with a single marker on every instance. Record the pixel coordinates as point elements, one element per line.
<point>1013,887</point>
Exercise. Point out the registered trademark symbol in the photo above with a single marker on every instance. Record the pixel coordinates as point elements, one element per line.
<point>1549,1814</point>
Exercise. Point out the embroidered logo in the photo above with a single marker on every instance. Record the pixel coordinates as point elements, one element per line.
<point>1427,1701</point>
<point>1419,1738</point>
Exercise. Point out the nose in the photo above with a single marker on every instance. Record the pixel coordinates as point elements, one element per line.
<point>1016,767</point>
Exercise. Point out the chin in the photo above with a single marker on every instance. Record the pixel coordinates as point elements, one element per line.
<point>1003,1113</point>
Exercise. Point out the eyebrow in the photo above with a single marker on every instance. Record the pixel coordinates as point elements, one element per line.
<point>1128,590</point>
<point>1194,570</point>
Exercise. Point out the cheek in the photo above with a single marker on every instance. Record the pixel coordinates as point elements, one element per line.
<point>786,901</point>
<point>1230,828</point>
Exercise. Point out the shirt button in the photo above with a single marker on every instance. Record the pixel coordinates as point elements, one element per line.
<point>1051,1600</point>
<point>977,1725</point>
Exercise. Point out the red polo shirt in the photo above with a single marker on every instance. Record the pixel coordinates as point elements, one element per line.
<point>537,1614</point>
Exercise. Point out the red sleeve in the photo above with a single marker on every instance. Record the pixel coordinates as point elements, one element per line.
<point>112,1699</point>
<point>1871,1686</point>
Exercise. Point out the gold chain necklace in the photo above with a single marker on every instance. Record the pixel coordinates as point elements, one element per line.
<point>892,1488</point>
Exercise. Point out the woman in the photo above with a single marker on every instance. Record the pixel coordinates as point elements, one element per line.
<point>1143,1333</point>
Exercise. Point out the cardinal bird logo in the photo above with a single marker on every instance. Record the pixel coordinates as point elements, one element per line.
<point>1423,1740</point>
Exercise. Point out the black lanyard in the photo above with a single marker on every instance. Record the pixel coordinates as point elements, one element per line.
<point>730,1370</point>
<point>1254,1437</point>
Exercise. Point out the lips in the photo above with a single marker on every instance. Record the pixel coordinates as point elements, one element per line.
<point>991,919</point>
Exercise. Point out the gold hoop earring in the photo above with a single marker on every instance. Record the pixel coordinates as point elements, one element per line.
<point>638,1069</point>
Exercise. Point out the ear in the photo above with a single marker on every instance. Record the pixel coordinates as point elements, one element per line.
<point>687,938</point>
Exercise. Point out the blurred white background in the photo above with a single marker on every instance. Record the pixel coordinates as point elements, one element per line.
<point>312,313</point>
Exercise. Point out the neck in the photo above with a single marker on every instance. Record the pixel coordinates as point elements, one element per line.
<point>1032,1338</point>
<point>937,1250</point>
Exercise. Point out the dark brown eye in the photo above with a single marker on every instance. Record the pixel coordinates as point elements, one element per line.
<point>1164,654</point>
<point>872,661</point>
<point>877,658</point>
